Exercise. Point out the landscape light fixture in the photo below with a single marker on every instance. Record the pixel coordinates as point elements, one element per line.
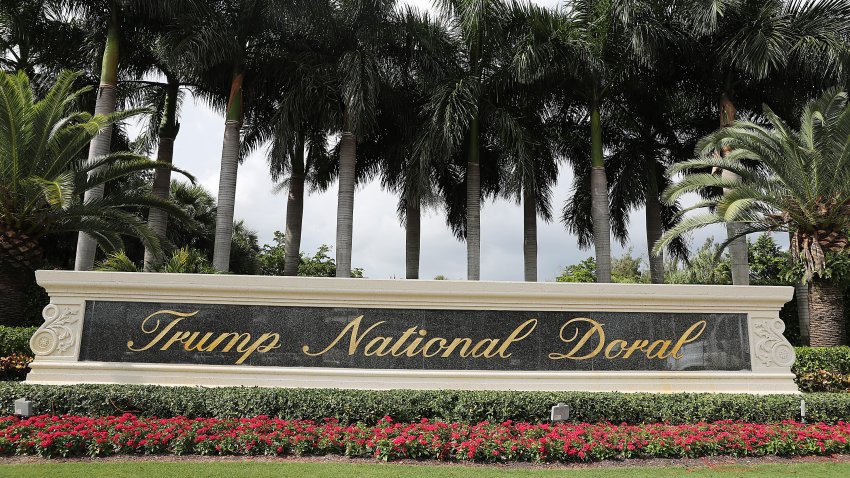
<point>23,408</point>
<point>802,411</point>
<point>560,413</point>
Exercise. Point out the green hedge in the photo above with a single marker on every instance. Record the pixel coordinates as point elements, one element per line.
<point>15,340</point>
<point>812,359</point>
<point>411,405</point>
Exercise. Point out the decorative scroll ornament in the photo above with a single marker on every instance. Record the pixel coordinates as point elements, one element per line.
<point>771,348</point>
<point>56,334</point>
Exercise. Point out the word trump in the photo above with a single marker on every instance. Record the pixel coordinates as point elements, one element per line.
<point>193,341</point>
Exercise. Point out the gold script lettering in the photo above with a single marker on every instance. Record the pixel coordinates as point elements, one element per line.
<point>689,336</point>
<point>595,329</point>
<point>149,329</point>
<point>353,328</point>
<point>260,346</point>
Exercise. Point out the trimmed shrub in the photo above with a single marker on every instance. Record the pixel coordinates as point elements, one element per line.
<point>370,406</point>
<point>15,340</point>
<point>832,359</point>
<point>823,369</point>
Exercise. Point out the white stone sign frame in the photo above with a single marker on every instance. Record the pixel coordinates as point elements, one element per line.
<point>56,343</point>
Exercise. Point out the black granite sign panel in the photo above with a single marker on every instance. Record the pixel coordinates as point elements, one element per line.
<point>215,334</point>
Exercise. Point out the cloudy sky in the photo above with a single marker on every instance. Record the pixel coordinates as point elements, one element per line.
<point>378,237</point>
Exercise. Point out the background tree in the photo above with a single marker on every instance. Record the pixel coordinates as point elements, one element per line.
<point>42,179</point>
<point>797,181</point>
<point>419,56</point>
<point>471,120</point>
<point>116,22</point>
<point>272,259</point>
<point>231,44</point>
<point>749,44</point>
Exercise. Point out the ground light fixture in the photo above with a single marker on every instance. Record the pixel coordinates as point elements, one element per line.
<point>23,408</point>
<point>560,413</point>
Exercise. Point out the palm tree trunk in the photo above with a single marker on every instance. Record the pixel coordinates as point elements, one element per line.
<point>737,248</point>
<point>473,203</point>
<point>157,218</point>
<point>227,176</point>
<point>412,223</point>
<point>654,228</point>
<point>801,293</point>
<point>826,300</point>
<point>294,211</point>
<point>529,239</point>
<point>345,204</point>
<point>13,300</point>
<point>599,208</point>
<point>100,144</point>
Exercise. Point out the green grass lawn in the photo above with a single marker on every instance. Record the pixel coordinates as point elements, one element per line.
<point>320,470</point>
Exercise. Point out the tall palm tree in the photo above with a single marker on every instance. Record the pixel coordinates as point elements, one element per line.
<point>358,30</point>
<point>163,96</point>
<point>786,179</point>
<point>115,22</point>
<point>746,42</point>
<point>229,43</point>
<point>416,62</point>
<point>43,176</point>
<point>337,63</point>
<point>615,37</point>
<point>469,112</point>
<point>100,144</point>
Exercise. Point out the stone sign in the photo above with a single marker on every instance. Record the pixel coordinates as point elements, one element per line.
<point>355,333</point>
<point>427,339</point>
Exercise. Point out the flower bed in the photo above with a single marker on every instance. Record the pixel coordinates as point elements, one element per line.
<point>54,436</point>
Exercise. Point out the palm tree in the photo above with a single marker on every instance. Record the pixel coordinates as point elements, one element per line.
<point>293,121</point>
<point>164,97</point>
<point>358,36</point>
<point>36,38</point>
<point>236,47</point>
<point>42,178</point>
<point>122,21</point>
<point>470,114</point>
<point>417,58</point>
<point>797,181</point>
<point>746,42</point>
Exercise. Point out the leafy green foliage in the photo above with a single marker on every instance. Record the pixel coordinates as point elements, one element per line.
<point>822,369</point>
<point>624,269</point>
<point>272,257</point>
<point>706,266</point>
<point>244,250</point>
<point>43,174</point>
<point>627,269</point>
<point>185,260</point>
<point>15,340</point>
<point>769,264</point>
<point>811,359</point>
<point>584,271</point>
<point>411,405</point>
